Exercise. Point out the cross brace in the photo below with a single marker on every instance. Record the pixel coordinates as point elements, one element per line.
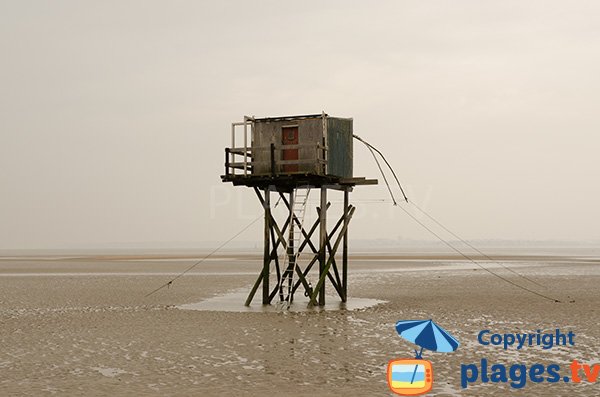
<point>324,253</point>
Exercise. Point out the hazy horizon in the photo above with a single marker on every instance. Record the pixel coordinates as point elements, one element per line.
<point>408,246</point>
<point>115,114</point>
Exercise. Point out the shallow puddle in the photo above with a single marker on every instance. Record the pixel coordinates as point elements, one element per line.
<point>234,302</point>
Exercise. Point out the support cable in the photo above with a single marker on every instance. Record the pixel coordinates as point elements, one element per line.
<point>386,162</point>
<point>477,263</point>
<point>170,282</point>
<point>371,148</point>
<point>380,169</point>
<point>439,223</point>
<point>475,248</point>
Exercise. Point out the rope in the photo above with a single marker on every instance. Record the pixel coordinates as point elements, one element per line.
<point>386,162</point>
<point>475,248</point>
<point>371,148</point>
<point>380,169</point>
<point>477,263</point>
<point>170,282</point>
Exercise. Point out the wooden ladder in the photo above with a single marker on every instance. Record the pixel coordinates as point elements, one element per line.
<point>298,211</point>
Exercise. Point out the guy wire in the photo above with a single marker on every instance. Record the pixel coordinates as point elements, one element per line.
<point>168,283</point>
<point>371,148</point>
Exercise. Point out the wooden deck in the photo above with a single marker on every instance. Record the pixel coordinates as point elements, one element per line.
<point>288,182</point>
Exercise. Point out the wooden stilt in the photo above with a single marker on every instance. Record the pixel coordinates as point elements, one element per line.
<point>345,248</point>
<point>322,245</point>
<point>291,257</point>
<point>319,286</point>
<point>267,250</point>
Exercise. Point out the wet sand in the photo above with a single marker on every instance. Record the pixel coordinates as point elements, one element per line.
<point>82,325</point>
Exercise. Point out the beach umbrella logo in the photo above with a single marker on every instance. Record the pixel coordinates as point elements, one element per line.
<point>411,377</point>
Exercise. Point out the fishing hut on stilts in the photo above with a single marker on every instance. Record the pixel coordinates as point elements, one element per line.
<point>290,157</point>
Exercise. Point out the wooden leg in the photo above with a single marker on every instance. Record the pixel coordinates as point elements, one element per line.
<point>322,244</point>
<point>267,250</point>
<point>345,249</point>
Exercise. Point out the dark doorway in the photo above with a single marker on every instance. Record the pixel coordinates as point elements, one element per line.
<point>289,136</point>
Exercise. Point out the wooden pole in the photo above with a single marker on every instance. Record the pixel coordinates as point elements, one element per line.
<point>313,298</point>
<point>267,248</point>
<point>227,161</point>
<point>272,159</point>
<point>290,250</point>
<point>322,242</point>
<point>345,249</point>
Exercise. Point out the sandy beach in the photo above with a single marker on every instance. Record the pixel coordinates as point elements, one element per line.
<point>76,325</point>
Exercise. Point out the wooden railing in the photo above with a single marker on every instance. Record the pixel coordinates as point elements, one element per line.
<point>271,162</point>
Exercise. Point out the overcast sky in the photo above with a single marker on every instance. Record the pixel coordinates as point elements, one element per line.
<point>114,114</point>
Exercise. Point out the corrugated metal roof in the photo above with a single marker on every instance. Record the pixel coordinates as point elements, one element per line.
<point>289,118</point>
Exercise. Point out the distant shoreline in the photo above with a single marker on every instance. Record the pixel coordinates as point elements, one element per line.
<point>251,256</point>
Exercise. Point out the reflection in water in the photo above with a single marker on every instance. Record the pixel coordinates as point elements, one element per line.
<point>234,302</point>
